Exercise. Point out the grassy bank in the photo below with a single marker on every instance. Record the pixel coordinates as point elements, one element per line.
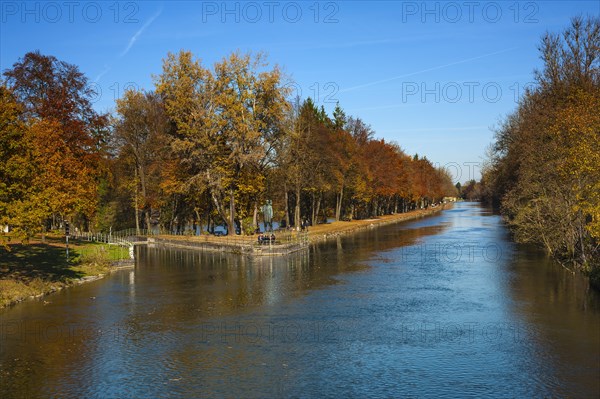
<point>37,268</point>
<point>325,231</point>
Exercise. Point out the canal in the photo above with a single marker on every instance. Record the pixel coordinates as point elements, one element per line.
<point>445,306</point>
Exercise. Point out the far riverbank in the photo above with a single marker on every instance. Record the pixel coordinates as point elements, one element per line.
<point>286,241</point>
<point>335,229</point>
<point>37,269</point>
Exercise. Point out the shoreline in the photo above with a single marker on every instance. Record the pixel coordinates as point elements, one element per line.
<point>39,288</point>
<point>324,232</point>
<point>288,241</point>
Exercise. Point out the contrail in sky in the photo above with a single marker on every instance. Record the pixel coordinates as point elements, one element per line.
<point>132,41</point>
<point>376,82</point>
<point>139,32</point>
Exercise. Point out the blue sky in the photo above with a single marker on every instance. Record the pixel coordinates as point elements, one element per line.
<point>432,76</point>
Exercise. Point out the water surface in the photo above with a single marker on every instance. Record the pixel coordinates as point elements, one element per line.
<point>445,306</point>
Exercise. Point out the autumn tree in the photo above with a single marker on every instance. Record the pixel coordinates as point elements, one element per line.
<point>356,188</point>
<point>68,137</point>
<point>199,152</point>
<point>226,121</point>
<point>16,168</point>
<point>544,165</point>
<point>471,190</point>
<point>141,130</point>
<point>311,160</point>
<point>50,89</point>
<point>250,109</point>
<point>296,154</point>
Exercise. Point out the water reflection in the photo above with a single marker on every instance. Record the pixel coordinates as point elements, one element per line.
<point>444,306</point>
<point>562,312</point>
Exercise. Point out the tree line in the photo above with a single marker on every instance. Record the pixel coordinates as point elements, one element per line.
<point>207,146</point>
<point>544,168</point>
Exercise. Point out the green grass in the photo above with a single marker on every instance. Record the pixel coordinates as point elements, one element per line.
<point>38,267</point>
<point>94,252</point>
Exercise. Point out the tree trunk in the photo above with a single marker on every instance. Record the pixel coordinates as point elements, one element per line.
<point>287,205</point>
<point>136,205</point>
<point>317,209</point>
<point>209,227</point>
<point>338,205</point>
<point>297,209</point>
<point>173,215</point>
<point>210,224</point>
<point>231,212</point>
<point>148,212</point>
<point>199,219</point>
<point>142,177</point>
<point>313,216</point>
<point>221,210</point>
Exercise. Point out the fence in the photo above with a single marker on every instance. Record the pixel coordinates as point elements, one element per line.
<point>118,246</point>
<point>128,238</point>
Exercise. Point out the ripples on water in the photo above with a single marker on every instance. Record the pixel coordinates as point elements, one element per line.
<point>444,306</point>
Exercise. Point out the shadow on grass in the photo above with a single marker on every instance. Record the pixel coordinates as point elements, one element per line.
<point>26,262</point>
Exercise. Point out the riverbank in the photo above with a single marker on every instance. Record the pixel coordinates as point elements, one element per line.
<point>286,241</point>
<point>323,232</point>
<point>36,269</point>
<point>284,244</point>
